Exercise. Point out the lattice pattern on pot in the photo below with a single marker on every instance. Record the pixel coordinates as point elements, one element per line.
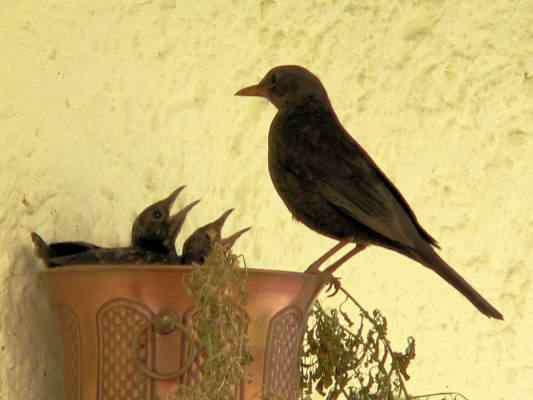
<point>194,375</point>
<point>281,357</point>
<point>119,378</point>
<point>70,326</point>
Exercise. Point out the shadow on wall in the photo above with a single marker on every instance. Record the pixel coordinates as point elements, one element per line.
<point>32,345</point>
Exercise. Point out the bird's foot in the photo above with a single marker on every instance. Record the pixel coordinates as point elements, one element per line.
<point>334,285</point>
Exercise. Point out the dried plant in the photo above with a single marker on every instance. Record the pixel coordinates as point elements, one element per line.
<point>343,359</point>
<point>218,289</point>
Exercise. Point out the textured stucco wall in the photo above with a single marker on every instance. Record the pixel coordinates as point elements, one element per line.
<point>108,105</point>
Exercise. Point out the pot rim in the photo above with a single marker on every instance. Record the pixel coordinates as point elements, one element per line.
<point>162,268</point>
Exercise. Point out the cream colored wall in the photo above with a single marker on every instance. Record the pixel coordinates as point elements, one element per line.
<point>108,105</point>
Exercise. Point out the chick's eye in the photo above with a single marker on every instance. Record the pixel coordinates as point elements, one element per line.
<point>273,79</point>
<point>157,214</point>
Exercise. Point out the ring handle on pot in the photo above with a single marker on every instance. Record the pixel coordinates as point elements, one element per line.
<point>164,324</point>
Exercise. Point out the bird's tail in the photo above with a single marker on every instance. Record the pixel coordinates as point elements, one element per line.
<point>427,256</point>
<point>41,248</point>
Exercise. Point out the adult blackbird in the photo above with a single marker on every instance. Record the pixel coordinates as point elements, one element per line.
<point>329,183</point>
<point>199,244</point>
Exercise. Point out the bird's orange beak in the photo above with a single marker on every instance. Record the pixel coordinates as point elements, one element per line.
<point>254,90</point>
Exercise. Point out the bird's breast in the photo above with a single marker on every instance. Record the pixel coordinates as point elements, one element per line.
<point>298,191</point>
<point>278,162</point>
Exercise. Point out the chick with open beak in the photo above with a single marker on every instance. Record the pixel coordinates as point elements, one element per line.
<point>155,230</point>
<point>151,227</point>
<point>153,238</point>
<point>200,243</point>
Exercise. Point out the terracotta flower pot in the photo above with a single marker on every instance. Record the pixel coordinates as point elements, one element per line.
<point>113,321</point>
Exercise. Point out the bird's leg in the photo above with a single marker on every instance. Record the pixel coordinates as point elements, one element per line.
<point>335,283</point>
<point>357,249</point>
<point>316,265</point>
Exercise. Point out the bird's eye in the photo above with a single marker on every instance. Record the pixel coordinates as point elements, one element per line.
<point>273,79</point>
<point>157,214</point>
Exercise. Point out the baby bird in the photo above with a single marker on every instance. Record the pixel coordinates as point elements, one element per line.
<point>153,238</point>
<point>118,255</point>
<point>48,252</point>
<point>151,229</point>
<point>200,243</point>
<point>156,230</point>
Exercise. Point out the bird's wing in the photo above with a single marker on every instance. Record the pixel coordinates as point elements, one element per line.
<point>318,150</point>
<point>381,217</point>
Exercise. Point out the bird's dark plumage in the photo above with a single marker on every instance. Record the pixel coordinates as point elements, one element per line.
<point>118,255</point>
<point>329,182</point>
<point>63,254</point>
<point>151,228</point>
<point>155,230</point>
<point>49,252</point>
<point>153,237</point>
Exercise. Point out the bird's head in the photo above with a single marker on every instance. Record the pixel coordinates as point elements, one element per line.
<point>199,244</point>
<point>288,86</point>
<point>152,224</point>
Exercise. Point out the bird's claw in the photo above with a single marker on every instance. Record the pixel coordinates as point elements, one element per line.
<point>333,283</point>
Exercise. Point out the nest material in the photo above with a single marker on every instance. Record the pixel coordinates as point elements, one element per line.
<point>219,292</point>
